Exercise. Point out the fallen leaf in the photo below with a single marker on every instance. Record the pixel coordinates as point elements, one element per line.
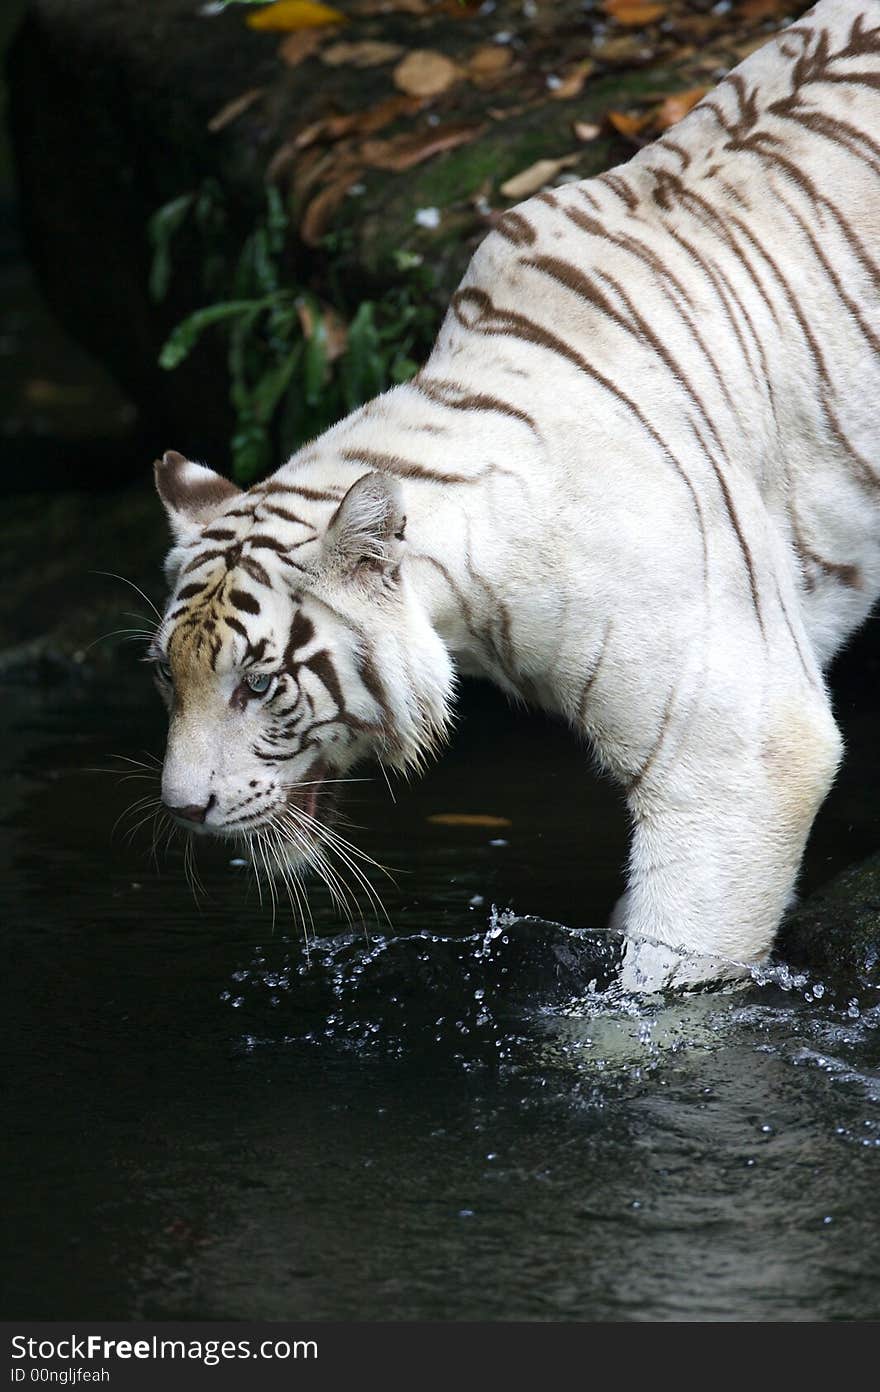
<point>507,113</point>
<point>424,73</point>
<point>335,328</point>
<point>633,13</point>
<point>754,10</point>
<point>470,819</point>
<point>235,108</point>
<point>586,130</point>
<point>488,63</point>
<point>626,124</point>
<point>294,14</point>
<point>368,53</point>
<point>320,211</point>
<point>674,107</point>
<point>403,151</point>
<point>572,81</point>
<point>536,176</point>
<point>366,122</point>
<point>294,49</point>
<point>380,7</point>
<point>622,48</point>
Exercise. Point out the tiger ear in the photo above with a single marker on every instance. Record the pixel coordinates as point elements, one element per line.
<point>365,535</point>
<point>191,493</point>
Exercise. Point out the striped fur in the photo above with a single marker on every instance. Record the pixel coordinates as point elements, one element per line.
<point>641,479</point>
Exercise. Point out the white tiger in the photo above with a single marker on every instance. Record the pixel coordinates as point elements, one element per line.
<point>637,482</point>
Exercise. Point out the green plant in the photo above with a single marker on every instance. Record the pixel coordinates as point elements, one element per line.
<point>297,358</point>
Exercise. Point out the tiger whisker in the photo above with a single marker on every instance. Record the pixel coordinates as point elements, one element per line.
<point>110,574</point>
<point>315,858</point>
<point>322,834</point>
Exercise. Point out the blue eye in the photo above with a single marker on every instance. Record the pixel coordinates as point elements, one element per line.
<point>163,670</point>
<point>259,683</point>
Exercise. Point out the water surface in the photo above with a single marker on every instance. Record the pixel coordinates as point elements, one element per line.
<point>447,1118</point>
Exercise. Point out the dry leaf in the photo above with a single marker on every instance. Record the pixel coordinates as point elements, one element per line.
<point>673,108</point>
<point>572,81</point>
<point>424,73</point>
<point>754,10</point>
<point>623,48</point>
<point>470,819</point>
<point>633,13</point>
<point>403,151</point>
<point>365,54</point>
<point>488,63</point>
<point>626,124</point>
<point>507,113</point>
<point>381,7</point>
<point>235,108</point>
<point>367,122</point>
<point>321,209</point>
<point>335,328</point>
<point>294,14</point>
<point>297,47</point>
<point>585,130</point>
<point>536,176</point>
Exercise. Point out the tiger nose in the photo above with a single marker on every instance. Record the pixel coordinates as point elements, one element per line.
<point>193,813</point>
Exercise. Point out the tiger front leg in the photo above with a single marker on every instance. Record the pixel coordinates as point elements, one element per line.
<point>721,816</point>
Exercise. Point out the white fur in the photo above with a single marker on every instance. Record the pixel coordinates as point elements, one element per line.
<point>592,564</point>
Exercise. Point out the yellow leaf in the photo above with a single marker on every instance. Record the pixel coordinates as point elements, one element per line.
<point>470,819</point>
<point>288,15</point>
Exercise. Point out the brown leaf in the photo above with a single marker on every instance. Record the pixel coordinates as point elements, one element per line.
<point>585,130</point>
<point>295,48</point>
<point>754,10</point>
<point>507,113</point>
<point>488,64</point>
<point>403,151</point>
<point>380,7</point>
<point>331,128</point>
<point>335,328</point>
<point>424,73</point>
<point>572,81</point>
<point>319,213</point>
<point>468,819</point>
<point>627,124</point>
<point>634,13</point>
<point>368,53</point>
<point>536,176</point>
<point>674,107</point>
<point>623,49</point>
<point>235,108</point>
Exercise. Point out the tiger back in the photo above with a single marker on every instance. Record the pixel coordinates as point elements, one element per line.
<point>636,483</point>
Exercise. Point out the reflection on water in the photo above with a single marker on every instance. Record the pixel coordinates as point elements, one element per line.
<point>457,1117</point>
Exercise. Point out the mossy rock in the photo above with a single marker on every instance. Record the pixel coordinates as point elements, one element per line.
<point>112,104</point>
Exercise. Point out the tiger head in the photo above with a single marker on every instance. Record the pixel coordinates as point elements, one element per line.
<point>292,646</point>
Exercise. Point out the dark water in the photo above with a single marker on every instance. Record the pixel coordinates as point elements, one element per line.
<point>442,1122</point>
